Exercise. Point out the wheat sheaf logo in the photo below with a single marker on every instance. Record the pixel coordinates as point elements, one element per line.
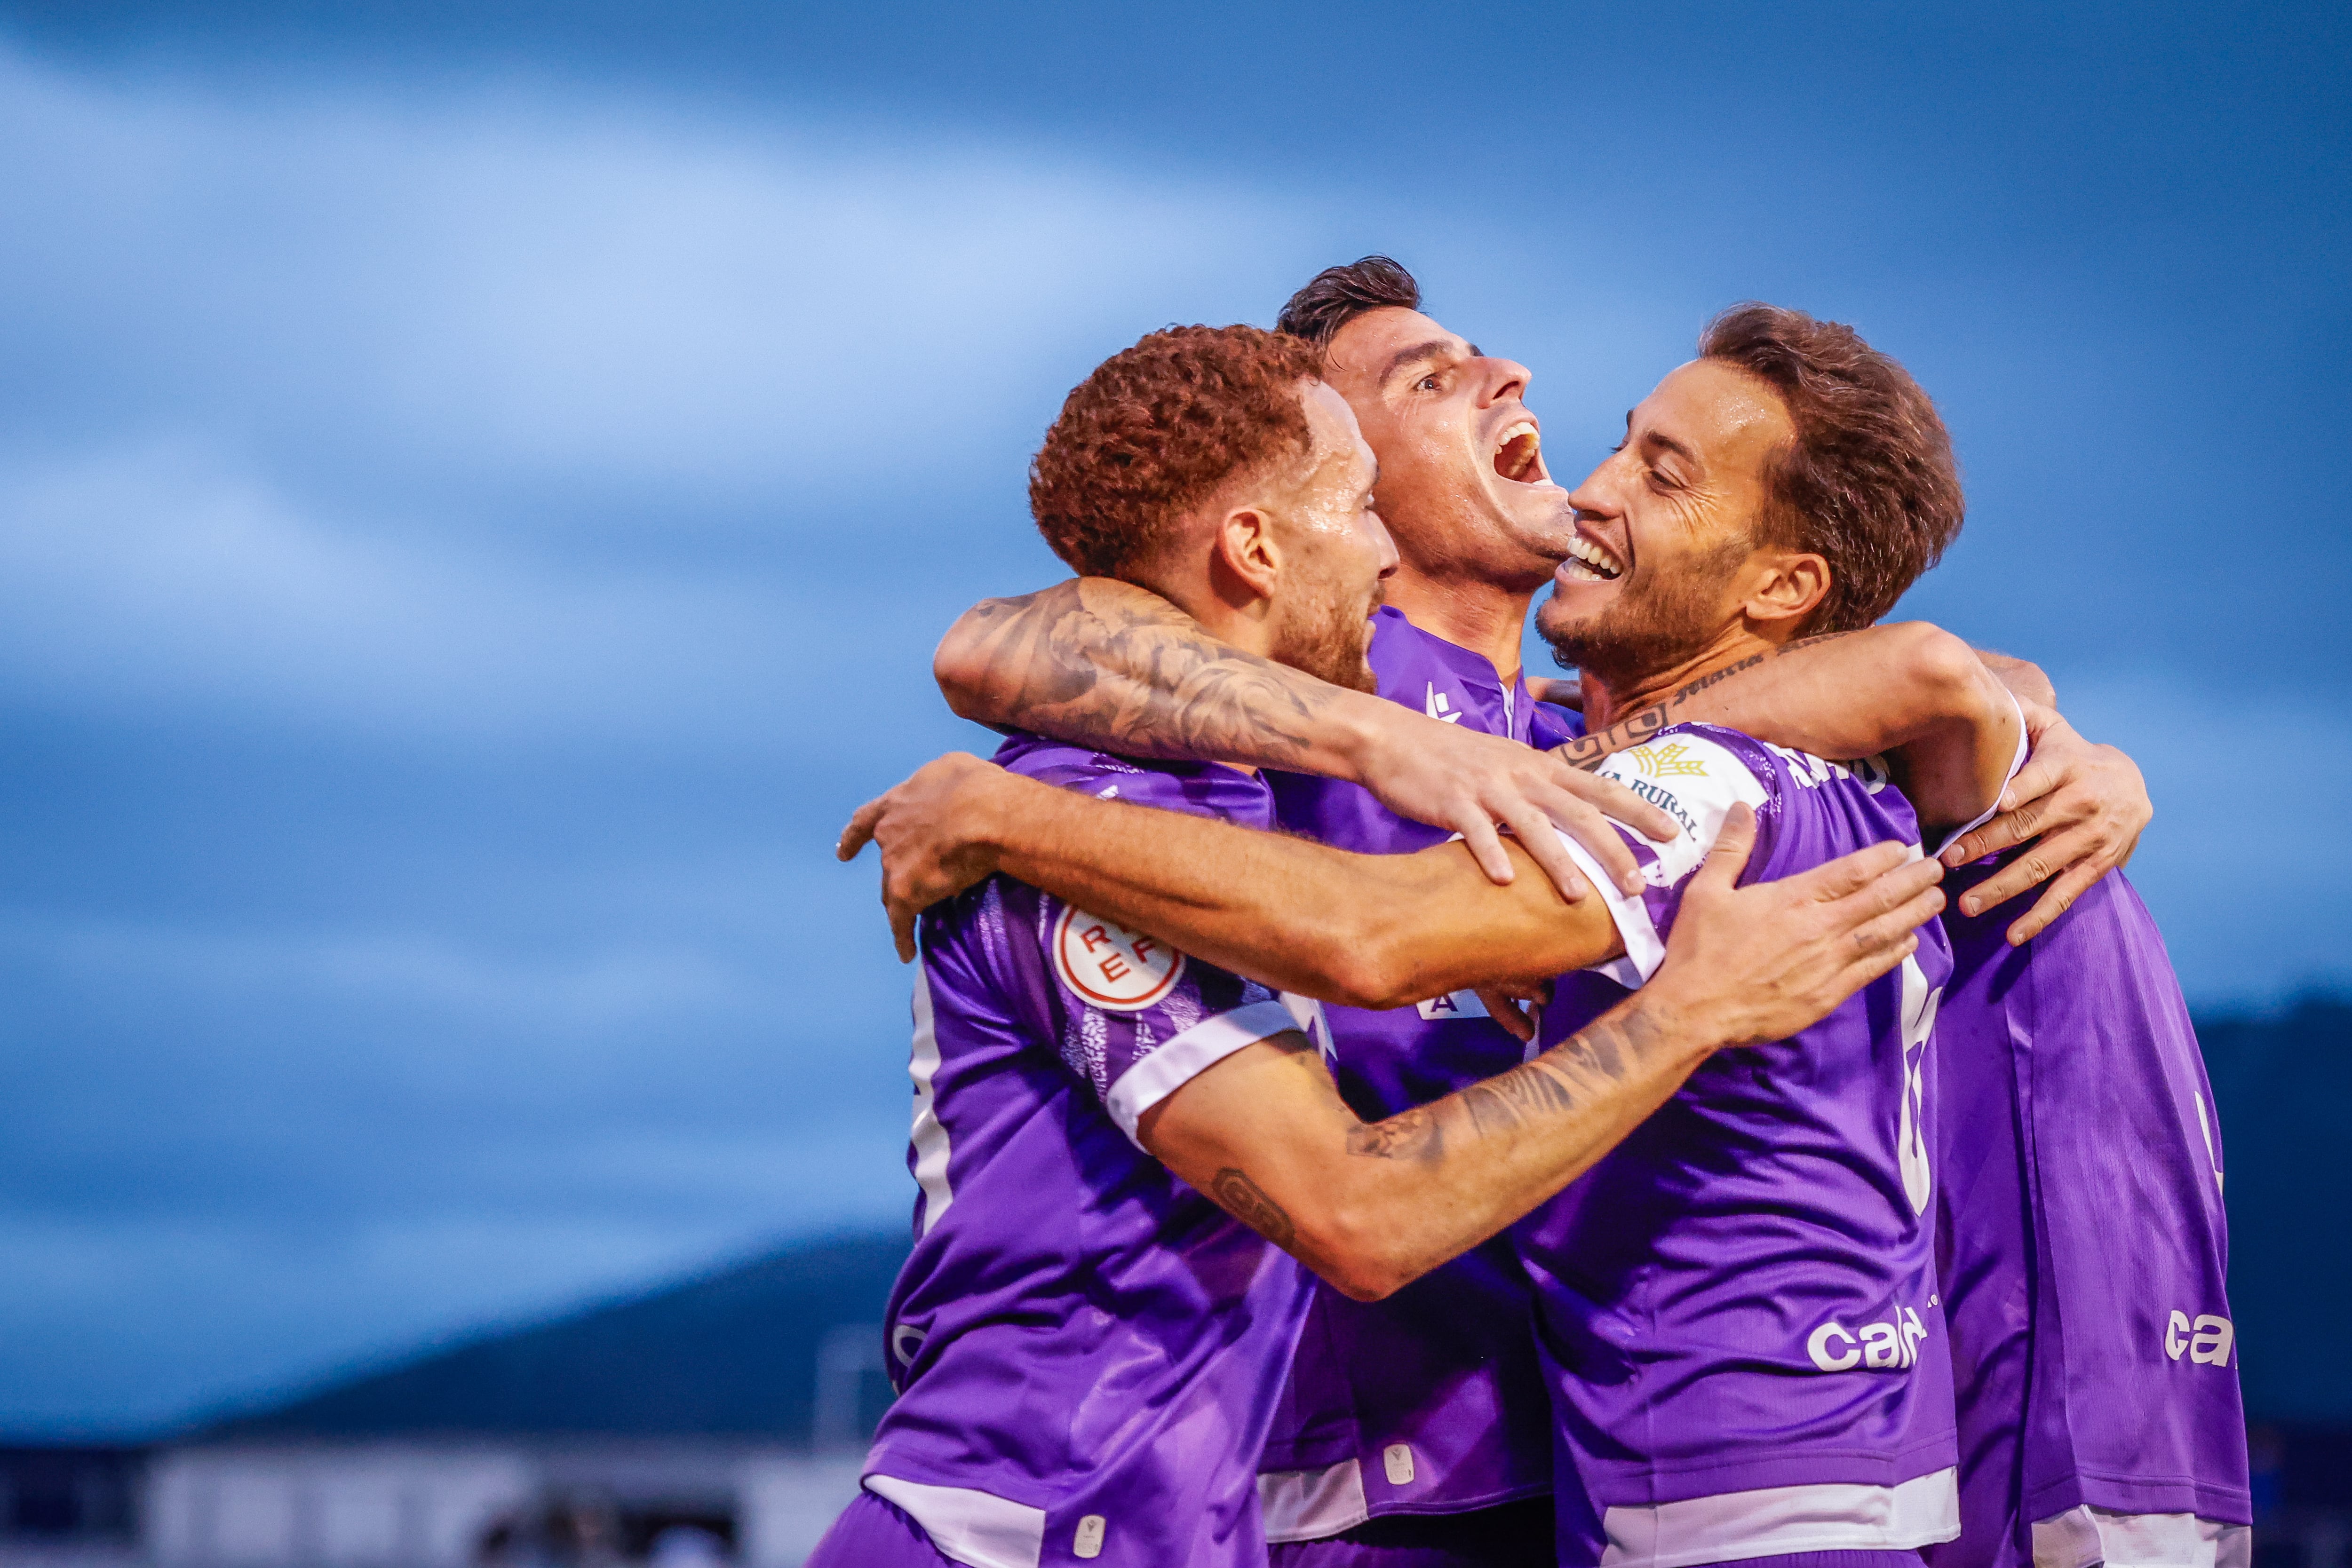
<point>1668,761</point>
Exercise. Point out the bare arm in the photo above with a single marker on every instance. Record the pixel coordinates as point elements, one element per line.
<point>1117,666</point>
<point>1903,690</point>
<point>1370,931</point>
<point>1374,1206</point>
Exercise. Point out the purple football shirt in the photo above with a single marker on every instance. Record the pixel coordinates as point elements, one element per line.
<point>2084,1246</point>
<point>1431,1401</point>
<point>1736,1307</point>
<point>1088,1351</point>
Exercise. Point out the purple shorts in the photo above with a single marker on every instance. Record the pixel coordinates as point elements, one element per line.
<point>871,1534</point>
<point>1508,1535</point>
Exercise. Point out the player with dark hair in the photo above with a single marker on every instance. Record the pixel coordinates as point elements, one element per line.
<point>1413,1424</point>
<point>1117,1140</point>
<point>1737,1306</point>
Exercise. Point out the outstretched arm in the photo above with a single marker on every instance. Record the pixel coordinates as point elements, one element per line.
<point>1919,694</point>
<point>1117,666</point>
<point>1374,1206</point>
<point>1369,930</point>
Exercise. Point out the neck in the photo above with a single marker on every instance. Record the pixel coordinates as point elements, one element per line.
<point>1606,701</point>
<point>1487,619</point>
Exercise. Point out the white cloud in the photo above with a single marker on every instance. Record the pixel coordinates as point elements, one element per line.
<point>341,405</point>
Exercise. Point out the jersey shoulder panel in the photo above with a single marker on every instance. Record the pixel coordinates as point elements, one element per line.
<point>1696,774</point>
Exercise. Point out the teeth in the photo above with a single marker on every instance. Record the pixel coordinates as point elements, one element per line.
<point>1524,428</point>
<point>1601,566</point>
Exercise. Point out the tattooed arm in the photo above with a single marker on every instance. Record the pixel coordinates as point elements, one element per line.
<point>1372,1207</point>
<point>1916,692</point>
<point>1117,666</point>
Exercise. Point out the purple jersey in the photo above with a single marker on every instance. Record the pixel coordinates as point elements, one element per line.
<point>1736,1307</point>
<point>1088,1351</point>
<point>1431,1401</point>
<point>2082,1244</point>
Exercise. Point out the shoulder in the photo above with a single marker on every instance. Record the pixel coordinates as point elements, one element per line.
<point>1692,764</point>
<point>1696,774</point>
<point>1199,788</point>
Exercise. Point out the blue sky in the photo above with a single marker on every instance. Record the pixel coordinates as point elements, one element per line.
<point>479,485</point>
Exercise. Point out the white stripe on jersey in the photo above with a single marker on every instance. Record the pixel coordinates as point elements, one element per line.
<point>930,1135</point>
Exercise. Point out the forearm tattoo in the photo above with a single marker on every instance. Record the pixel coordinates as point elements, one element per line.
<point>1589,751</point>
<point>1247,1202</point>
<point>1140,679</point>
<point>1553,1084</point>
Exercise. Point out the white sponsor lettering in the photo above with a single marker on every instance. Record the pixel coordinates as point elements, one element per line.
<point>2208,1341</point>
<point>1818,1347</point>
<point>1892,1343</point>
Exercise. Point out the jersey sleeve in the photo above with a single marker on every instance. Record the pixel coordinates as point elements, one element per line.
<point>1138,1019</point>
<point>1695,781</point>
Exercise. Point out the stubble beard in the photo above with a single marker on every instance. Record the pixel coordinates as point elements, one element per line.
<point>1330,643</point>
<point>1659,623</point>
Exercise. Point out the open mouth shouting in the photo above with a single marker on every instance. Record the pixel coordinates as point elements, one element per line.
<point>1518,455</point>
<point>1588,561</point>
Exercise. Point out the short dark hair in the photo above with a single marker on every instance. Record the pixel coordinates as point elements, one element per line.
<point>1870,483</point>
<point>1337,295</point>
<point>1156,429</point>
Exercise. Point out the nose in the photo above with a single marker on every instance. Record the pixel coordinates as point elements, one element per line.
<point>1507,379</point>
<point>1384,545</point>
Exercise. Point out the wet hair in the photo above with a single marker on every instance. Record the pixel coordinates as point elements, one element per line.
<point>1156,429</point>
<point>1869,483</point>
<point>1337,295</point>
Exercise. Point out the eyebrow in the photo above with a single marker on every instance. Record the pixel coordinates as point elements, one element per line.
<point>1668,442</point>
<point>1414,355</point>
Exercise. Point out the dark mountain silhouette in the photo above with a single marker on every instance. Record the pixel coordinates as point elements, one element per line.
<point>732,1352</point>
<point>729,1354</point>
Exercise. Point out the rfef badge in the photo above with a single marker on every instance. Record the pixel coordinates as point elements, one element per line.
<point>1110,966</point>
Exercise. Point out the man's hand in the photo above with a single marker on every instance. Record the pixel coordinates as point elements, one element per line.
<point>1760,962</point>
<point>1471,782</point>
<point>924,828</point>
<point>2083,808</point>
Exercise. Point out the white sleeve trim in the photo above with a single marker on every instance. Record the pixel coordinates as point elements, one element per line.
<point>1645,950</point>
<point>1778,1521</point>
<point>2016,765</point>
<point>1308,1505</point>
<point>968,1525</point>
<point>1173,1063</point>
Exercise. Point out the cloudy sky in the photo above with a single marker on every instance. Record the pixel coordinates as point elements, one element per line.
<point>479,485</point>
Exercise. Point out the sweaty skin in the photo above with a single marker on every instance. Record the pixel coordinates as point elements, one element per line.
<point>1296,543</point>
<point>1116,666</point>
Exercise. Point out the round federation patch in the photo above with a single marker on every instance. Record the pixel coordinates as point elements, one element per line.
<point>1110,966</point>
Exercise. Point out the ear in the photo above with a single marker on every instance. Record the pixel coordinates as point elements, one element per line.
<point>1786,589</point>
<point>1246,556</point>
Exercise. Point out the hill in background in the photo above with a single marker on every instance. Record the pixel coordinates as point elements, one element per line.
<point>734,1352</point>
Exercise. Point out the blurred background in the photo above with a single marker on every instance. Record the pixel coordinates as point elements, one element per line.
<point>479,486</point>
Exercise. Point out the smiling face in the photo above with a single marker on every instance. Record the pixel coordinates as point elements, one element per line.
<point>1666,551</point>
<point>1462,478</point>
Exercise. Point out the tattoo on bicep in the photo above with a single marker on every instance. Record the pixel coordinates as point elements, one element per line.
<point>1412,1134</point>
<point>1247,1202</point>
